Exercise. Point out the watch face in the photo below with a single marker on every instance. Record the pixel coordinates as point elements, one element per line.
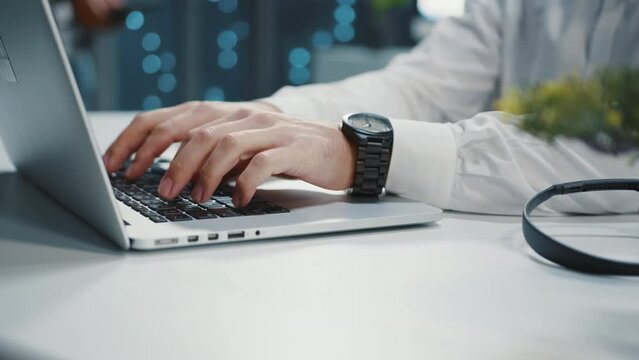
<point>370,123</point>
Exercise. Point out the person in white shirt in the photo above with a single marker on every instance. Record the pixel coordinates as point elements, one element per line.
<point>449,150</point>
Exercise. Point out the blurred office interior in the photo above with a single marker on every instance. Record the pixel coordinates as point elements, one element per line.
<point>164,52</point>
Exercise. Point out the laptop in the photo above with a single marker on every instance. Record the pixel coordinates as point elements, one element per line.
<point>49,139</point>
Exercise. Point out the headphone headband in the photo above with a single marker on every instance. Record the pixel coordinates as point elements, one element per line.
<point>567,256</point>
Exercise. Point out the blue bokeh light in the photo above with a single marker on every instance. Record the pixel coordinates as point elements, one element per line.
<point>227,40</point>
<point>344,32</point>
<point>168,61</point>
<point>299,75</point>
<point>322,40</point>
<point>214,93</point>
<point>344,14</point>
<point>135,20</point>
<point>151,64</point>
<point>151,41</point>
<point>227,59</point>
<point>151,102</point>
<point>167,83</point>
<point>299,57</point>
<point>227,6</point>
<point>346,2</point>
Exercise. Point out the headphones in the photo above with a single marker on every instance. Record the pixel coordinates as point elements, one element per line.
<point>567,256</point>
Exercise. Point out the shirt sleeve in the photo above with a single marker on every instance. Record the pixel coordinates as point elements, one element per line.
<point>451,75</point>
<point>485,164</point>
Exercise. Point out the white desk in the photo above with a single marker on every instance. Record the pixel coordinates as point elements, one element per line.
<point>465,288</point>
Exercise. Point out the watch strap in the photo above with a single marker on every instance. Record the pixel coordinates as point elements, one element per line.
<point>373,162</point>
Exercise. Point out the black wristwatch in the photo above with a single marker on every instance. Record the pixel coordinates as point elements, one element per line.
<point>373,136</point>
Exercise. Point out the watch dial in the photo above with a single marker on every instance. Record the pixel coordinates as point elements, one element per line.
<point>370,123</point>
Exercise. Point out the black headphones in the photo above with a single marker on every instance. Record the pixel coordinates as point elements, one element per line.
<point>564,255</point>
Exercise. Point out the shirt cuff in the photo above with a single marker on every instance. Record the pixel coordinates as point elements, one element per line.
<point>423,162</point>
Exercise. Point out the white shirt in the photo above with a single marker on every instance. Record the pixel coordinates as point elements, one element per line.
<point>449,151</point>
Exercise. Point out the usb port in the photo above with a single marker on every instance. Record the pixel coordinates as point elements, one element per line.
<point>193,238</point>
<point>236,235</point>
<point>213,237</point>
<point>163,242</point>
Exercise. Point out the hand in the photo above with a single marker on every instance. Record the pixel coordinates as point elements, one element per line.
<point>96,13</point>
<point>151,133</point>
<point>217,140</point>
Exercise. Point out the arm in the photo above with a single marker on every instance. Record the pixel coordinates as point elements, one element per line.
<point>451,75</point>
<point>486,165</point>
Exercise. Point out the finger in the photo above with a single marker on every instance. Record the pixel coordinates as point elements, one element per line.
<point>263,165</point>
<point>176,129</point>
<point>196,151</point>
<point>237,170</point>
<point>170,131</point>
<point>134,135</point>
<point>230,151</point>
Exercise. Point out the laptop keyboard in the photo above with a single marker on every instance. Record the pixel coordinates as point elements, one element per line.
<point>142,196</point>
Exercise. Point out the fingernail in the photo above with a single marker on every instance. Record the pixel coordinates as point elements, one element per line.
<point>196,194</point>
<point>166,186</point>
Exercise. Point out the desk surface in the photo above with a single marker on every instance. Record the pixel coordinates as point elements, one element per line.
<point>465,288</point>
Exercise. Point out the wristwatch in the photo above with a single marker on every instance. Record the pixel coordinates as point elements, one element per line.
<point>373,136</point>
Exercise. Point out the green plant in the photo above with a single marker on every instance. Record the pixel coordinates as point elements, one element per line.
<point>386,5</point>
<point>602,110</point>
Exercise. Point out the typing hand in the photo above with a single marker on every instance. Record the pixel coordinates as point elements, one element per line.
<point>220,138</point>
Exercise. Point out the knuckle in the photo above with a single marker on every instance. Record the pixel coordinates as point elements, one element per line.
<point>261,160</point>
<point>164,130</point>
<point>202,134</point>
<point>262,119</point>
<point>140,119</point>
<point>242,113</point>
<point>229,141</point>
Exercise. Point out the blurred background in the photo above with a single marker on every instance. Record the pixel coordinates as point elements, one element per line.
<point>156,53</point>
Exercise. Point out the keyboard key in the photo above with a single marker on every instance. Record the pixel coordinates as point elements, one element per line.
<point>201,214</point>
<point>148,213</point>
<point>226,212</point>
<point>276,210</point>
<point>169,211</point>
<point>153,201</point>
<point>226,201</point>
<point>142,196</point>
<point>158,207</point>
<point>178,217</point>
<point>185,207</point>
<point>251,212</point>
<point>158,219</point>
<point>212,204</point>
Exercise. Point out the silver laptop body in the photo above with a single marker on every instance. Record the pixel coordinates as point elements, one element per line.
<point>45,130</point>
